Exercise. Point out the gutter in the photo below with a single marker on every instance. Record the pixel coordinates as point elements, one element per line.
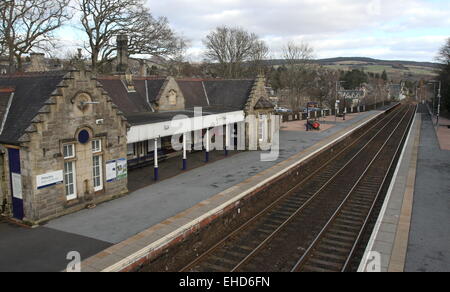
<point>6,113</point>
<point>147,97</point>
<point>206,94</point>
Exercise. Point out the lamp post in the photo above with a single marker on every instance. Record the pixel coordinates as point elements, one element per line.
<point>438,114</point>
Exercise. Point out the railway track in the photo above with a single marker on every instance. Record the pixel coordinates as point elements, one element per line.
<point>322,219</point>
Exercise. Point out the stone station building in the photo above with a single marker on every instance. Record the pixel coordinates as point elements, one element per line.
<point>68,139</point>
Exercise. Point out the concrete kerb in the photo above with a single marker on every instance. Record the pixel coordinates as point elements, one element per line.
<point>126,262</point>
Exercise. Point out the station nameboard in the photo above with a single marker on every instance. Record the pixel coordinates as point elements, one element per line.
<point>49,179</point>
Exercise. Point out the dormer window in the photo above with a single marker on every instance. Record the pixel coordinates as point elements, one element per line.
<point>128,82</point>
<point>172,97</point>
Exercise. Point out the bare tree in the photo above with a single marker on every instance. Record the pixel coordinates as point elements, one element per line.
<point>298,55</point>
<point>258,56</point>
<point>27,25</point>
<point>299,76</point>
<point>231,47</point>
<point>178,61</point>
<point>444,74</point>
<point>444,54</point>
<point>324,90</point>
<point>3,48</point>
<point>104,20</point>
<point>377,90</point>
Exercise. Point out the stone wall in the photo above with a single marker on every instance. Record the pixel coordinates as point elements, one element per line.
<point>78,104</point>
<point>258,91</point>
<point>171,97</point>
<point>6,203</point>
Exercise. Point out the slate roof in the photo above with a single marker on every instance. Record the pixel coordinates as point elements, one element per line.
<point>264,103</point>
<point>132,102</point>
<point>153,87</point>
<point>31,91</point>
<point>146,118</point>
<point>194,93</point>
<point>5,96</point>
<point>230,94</point>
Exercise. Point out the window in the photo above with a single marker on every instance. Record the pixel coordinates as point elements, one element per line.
<point>69,151</point>
<point>96,146</point>
<point>98,173</point>
<point>69,180</point>
<point>131,150</point>
<point>172,97</point>
<point>144,148</point>
<point>262,128</point>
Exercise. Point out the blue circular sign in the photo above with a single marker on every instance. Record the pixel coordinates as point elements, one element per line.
<point>83,137</point>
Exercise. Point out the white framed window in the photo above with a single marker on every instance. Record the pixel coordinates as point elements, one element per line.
<point>97,169</point>
<point>262,128</point>
<point>96,146</point>
<point>144,149</point>
<point>70,181</point>
<point>69,151</point>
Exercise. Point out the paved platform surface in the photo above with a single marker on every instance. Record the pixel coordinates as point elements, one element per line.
<point>91,231</point>
<point>326,123</point>
<point>143,177</point>
<point>429,243</point>
<point>120,219</point>
<point>443,133</point>
<point>413,234</point>
<point>42,249</point>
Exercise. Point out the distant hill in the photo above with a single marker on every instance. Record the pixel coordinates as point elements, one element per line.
<point>396,69</point>
<point>375,61</point>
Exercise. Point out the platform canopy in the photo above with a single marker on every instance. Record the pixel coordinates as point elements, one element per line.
<point>182,124</point>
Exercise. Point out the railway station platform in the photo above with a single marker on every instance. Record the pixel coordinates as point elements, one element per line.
<point>410,234</point>
<point>243,174</point>
<point>117,234</point>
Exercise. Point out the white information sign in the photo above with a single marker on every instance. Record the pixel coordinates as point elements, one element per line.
<point>49,179</point>
<point>111,171</point>
<point>17,185</point>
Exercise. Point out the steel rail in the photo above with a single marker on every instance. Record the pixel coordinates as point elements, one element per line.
<point>299,210</point>
<point>366,221</point>
<point>307,253</point>
<point>390,116</point>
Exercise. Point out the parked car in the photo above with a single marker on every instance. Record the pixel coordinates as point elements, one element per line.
<point>312,109</point>
<point>282,110</point>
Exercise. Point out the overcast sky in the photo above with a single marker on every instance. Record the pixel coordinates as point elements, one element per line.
<point>386,29</point>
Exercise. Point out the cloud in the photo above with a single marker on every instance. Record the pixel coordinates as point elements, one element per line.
<point>334,27</point>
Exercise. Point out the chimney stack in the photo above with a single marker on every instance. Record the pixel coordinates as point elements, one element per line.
<point>122,54</point>
<point>143,68</point>
<point>37,63</point>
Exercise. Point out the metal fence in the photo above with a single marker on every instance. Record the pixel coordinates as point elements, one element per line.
<point>302,116</point>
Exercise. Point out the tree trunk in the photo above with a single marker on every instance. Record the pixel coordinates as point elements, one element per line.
<point>19,63</point>
<point>94,61</point>
<point>12,67</point>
